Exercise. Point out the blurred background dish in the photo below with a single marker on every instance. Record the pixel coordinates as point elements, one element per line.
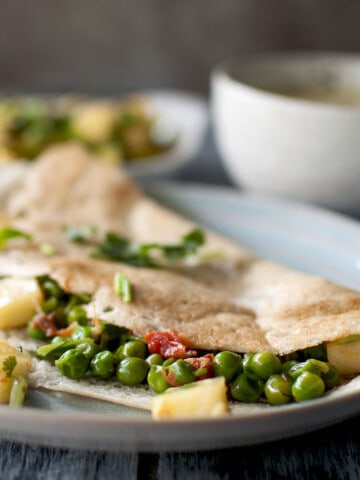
<point>182,117</point>
<point>288,124</point>
<point>149,133</point>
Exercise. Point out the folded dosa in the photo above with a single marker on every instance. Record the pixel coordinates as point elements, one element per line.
<point>293,310</point>
<point>162,300</point>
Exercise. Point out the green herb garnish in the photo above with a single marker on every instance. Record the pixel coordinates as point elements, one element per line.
<point>8,365</point>
<point>8,233</point>
<point>122,287</point>
<point>117,248</point>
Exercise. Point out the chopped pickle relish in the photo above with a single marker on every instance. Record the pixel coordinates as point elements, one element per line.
<point>83,348</point>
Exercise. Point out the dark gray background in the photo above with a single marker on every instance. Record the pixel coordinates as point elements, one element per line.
<point>110,46</point>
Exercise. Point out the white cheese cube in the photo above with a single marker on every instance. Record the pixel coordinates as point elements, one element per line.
<point>19,299</point>
<point>345,356</point>
<point>202,399</point>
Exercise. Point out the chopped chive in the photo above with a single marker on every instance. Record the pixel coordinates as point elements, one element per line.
<point>193,239</point>
<point>122,287</point>
<point>8,233</point>
<point>117,248</point>
<point>18,392</point>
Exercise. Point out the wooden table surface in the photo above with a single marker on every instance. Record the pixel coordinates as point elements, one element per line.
<point>333,452</point>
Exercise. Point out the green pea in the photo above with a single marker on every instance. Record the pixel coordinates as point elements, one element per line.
<point>183,372</point>
<point>246,388</point>
<point>308,366</point>
<point>156,379</point>
<point>307,386</point>
<point>57,339</point>
<point>168,361</point>
<point>35,332</point>
<point>133,348</point>
<point>246,361</point>
<point>51,288</point>
<point>331,377</point>
<point>60,316</point>
<point>286,366</point>
<point>82,332</point>
<point>50,305</point>
<point>263,364</point>
<point>227,364</point>
<point>53,351</point>
<point>318,352</point>
<point>73,302</point>
<point>278,390</point>
<point>132,370</point>
<point>154,359</point>
<point>72,364</point>
<point>77,314</point>
<point>88,349</point>
<point>102,364</point>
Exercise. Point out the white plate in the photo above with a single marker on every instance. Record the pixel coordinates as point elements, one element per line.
<point>309,239</point>
<point>186,114</point>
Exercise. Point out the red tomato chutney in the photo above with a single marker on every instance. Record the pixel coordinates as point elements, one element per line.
<point>169,344</point>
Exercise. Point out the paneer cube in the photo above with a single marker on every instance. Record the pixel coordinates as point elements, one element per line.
<point>13,364</point>
<point>345,356</point>
<point>202,399</point>
<point>19,299</point>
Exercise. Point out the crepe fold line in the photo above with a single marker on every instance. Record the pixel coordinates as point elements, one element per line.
<point>292,310</point>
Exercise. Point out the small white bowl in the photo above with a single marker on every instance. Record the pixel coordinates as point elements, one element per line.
<point>274,143</point>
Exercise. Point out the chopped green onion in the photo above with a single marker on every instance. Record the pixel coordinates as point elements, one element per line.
<point>194,239</point>
<point>8,233</point>
<point>122,287</point>
<point>117,248</point>
<point>18,392</point>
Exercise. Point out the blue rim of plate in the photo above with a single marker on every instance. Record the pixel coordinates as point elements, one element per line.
<point>243,217</point>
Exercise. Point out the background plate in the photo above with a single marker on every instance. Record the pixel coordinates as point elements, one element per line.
<point>309,239</point>
<point>184,113</point>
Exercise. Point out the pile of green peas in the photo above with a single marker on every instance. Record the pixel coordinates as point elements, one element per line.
<point>278,381</point>
<point>116,353</point>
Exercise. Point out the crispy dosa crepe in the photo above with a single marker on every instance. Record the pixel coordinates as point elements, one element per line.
<point>161,300</point>
<point>236,302</point>
<point>66,186</point>
<point>292,309</point>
